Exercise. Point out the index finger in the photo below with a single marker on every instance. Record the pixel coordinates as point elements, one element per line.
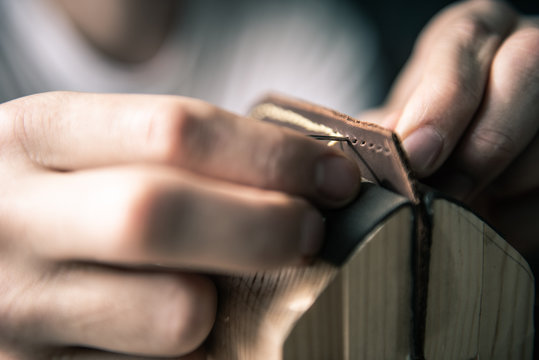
<point>70,131</point>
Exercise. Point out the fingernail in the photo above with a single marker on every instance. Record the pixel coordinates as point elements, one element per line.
<point>423,147</point>
<point>312,234</point>
<point>457,185</point>
<point>337,178</point>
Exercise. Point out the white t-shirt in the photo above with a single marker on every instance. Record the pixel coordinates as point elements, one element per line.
<point>226,52</point>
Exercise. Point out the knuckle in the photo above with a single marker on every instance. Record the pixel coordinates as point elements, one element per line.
<point>127,235</point>
<point>185,318</point>
<point>493,145</point>
<point>457,88</point>
<point>152,219</point>
<point>523,47</point>
<point>172,133</point>
<point>476,20</point>
<point>23,120</point>
<point>470,28</point>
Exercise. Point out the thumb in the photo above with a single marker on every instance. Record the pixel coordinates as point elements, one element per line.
<point>453,75</point>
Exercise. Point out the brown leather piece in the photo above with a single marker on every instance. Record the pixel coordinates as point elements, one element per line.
<point>377,150</point>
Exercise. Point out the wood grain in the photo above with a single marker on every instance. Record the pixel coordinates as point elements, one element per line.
<point>480,293</point>
<point>364,311</point>
<point>257,311</point>
<point>506,329</point>
<point>479,301</point>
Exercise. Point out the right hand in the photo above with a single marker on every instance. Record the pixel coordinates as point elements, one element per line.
<point>466,108</point>
<point>109,204</point>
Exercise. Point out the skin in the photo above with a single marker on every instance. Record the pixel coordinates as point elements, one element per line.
<point>106,199</point>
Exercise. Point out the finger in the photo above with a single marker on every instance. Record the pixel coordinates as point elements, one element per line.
<point>147,314</point>
<point>429,38</point>
<point>453,77</point>
<point>73,131</point>
<point>158,215</point>
<point>507,121</point>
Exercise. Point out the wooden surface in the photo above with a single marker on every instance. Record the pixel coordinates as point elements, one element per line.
<point>506,330</point>
<point>479,301</point>
<point>365,313</point>
<point>480,293</point>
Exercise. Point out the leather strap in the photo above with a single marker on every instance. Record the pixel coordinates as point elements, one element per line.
<point>377,150</point>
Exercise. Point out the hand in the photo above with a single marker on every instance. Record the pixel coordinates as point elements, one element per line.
<point>467,109</point>
<point>109,203</point>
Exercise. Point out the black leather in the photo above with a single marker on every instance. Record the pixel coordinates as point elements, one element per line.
<point>346,228</point>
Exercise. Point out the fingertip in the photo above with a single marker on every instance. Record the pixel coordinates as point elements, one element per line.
<point>337,179</point>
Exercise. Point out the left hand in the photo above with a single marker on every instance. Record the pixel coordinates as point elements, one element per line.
<point>467,109</point>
